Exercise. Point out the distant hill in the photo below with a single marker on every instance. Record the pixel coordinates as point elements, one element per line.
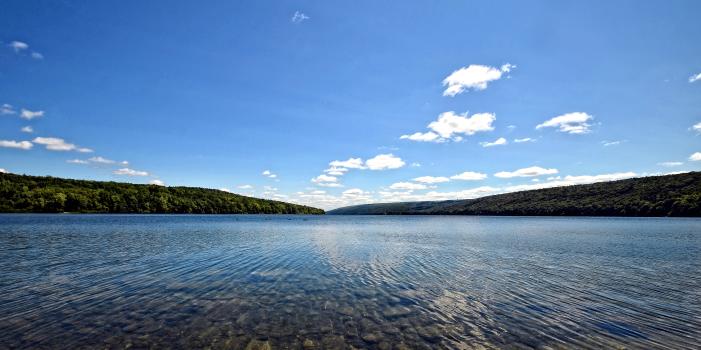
<point>669,195</point>
<point>37,194</point>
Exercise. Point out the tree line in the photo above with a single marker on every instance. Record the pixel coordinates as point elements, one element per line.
<point>39,194</point>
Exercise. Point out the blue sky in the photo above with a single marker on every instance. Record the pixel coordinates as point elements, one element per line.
<point>418,100</point>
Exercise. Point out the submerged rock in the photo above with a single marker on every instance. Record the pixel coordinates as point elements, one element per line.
<point>258,345</point>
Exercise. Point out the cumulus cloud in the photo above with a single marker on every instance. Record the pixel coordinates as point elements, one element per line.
<point>28,129</point>
<point>696,127</point>
<point>474,76</point>
<point>224,189</point>
<point>130,172</point>
<point>526,172</point>
<point>695,77</point>
<point>25,145</point>
<point>670,164</point>
<point>695,157</point>
<point>18,46</point>
<point>469,176</point>
<point>29,115</point>
<point>7,109</point>
<point>525,139</point>
<point>431,179</point>
<point>384,161</point>
<point>407,186</point>
<point>244,187</point>
<point>157,182</point>
<point>351,163</point>
<point>451,126</point>
<point>299,17</point>
<point>269,174</point>
<point>498,142</point>
<point>571,123</point>
<point>3,171</point>
<point>324,178</point>
<point>58,144</point>
<point>329,184</point>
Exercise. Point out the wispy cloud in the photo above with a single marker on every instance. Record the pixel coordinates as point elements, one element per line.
<point>526,172</point>
<point>474,76</point>
<point>269,174</point>
<point>157,182</point>
<point>7,109</point>
<point>571,123</point>
<point>498,142</point>
<point>525,139</point>
<point>695,157</point>
<point>469,176</point>
<point>77,161</point>
<point>431,179</point>
<point>18,46</point>
<point>407,186</point>
<point>29,115</point>
<point>612,143</point>
<point>695,78</point>
<point>670,164</point>
<point>299,17</point>
<point>25,145</point>
<point>244,187</point>
<point>28,129</point>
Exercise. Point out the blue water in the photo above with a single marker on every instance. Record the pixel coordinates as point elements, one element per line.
<point>332,282</point>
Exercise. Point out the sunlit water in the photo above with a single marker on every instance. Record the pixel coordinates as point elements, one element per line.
<point>232,282</point>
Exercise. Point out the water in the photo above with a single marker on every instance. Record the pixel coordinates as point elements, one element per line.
<point>231,282</point>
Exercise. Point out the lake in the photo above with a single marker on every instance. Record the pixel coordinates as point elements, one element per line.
<point>334,282</point>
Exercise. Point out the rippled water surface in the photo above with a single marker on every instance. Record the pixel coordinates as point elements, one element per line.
<point>334,282</point>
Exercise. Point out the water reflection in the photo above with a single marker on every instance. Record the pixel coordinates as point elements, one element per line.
<point>245,282</point>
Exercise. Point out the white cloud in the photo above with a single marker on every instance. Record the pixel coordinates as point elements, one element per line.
<point>407,186</point>
<point>3,171</point>
<point>101,160</point>
<point>525,139</point>
<point>329,184</point>
<point>224,189</point>
<point>7,109</point>
<point>57,144</point>
<point>77,161</point>
<point>336,171</point>
<point>526,172</point>
<point>351,163</point>
<point>670,164</point>
<point>25,145</point>
<point>29,115</point>
<point>157,182</point>
<point>384,161</point>
<point>299,17</point>
<point>451,126</point>
<point>572,123</point>
<point>28,129</point>
<point>130,172</point>
<point>573,180</point>
<point>697,127</point>
<point>695,157</point>
<point>18,46</point>
<point>498,142</point>
<point>431,179</point>
<point>474,76</point>
<point>37,56</point>
<point>612,143</point>
<point>469,176</point>
<point>324,178</point>
<point>695,77</point>
<point>244,187</point>
<point>423,137</point>
<point>268,173</point>
<point>415,164</point>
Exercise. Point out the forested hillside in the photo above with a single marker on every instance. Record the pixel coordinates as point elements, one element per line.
<point>669,195</point>
<point>21,193</point>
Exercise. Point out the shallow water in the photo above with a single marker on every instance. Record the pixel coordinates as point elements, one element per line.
<point>231,282</point>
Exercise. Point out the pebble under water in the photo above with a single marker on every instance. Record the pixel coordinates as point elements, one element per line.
<point>343,282</point>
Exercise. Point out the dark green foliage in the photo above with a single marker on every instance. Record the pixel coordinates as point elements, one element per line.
<point>669,195</point>
<point>21,193</point>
